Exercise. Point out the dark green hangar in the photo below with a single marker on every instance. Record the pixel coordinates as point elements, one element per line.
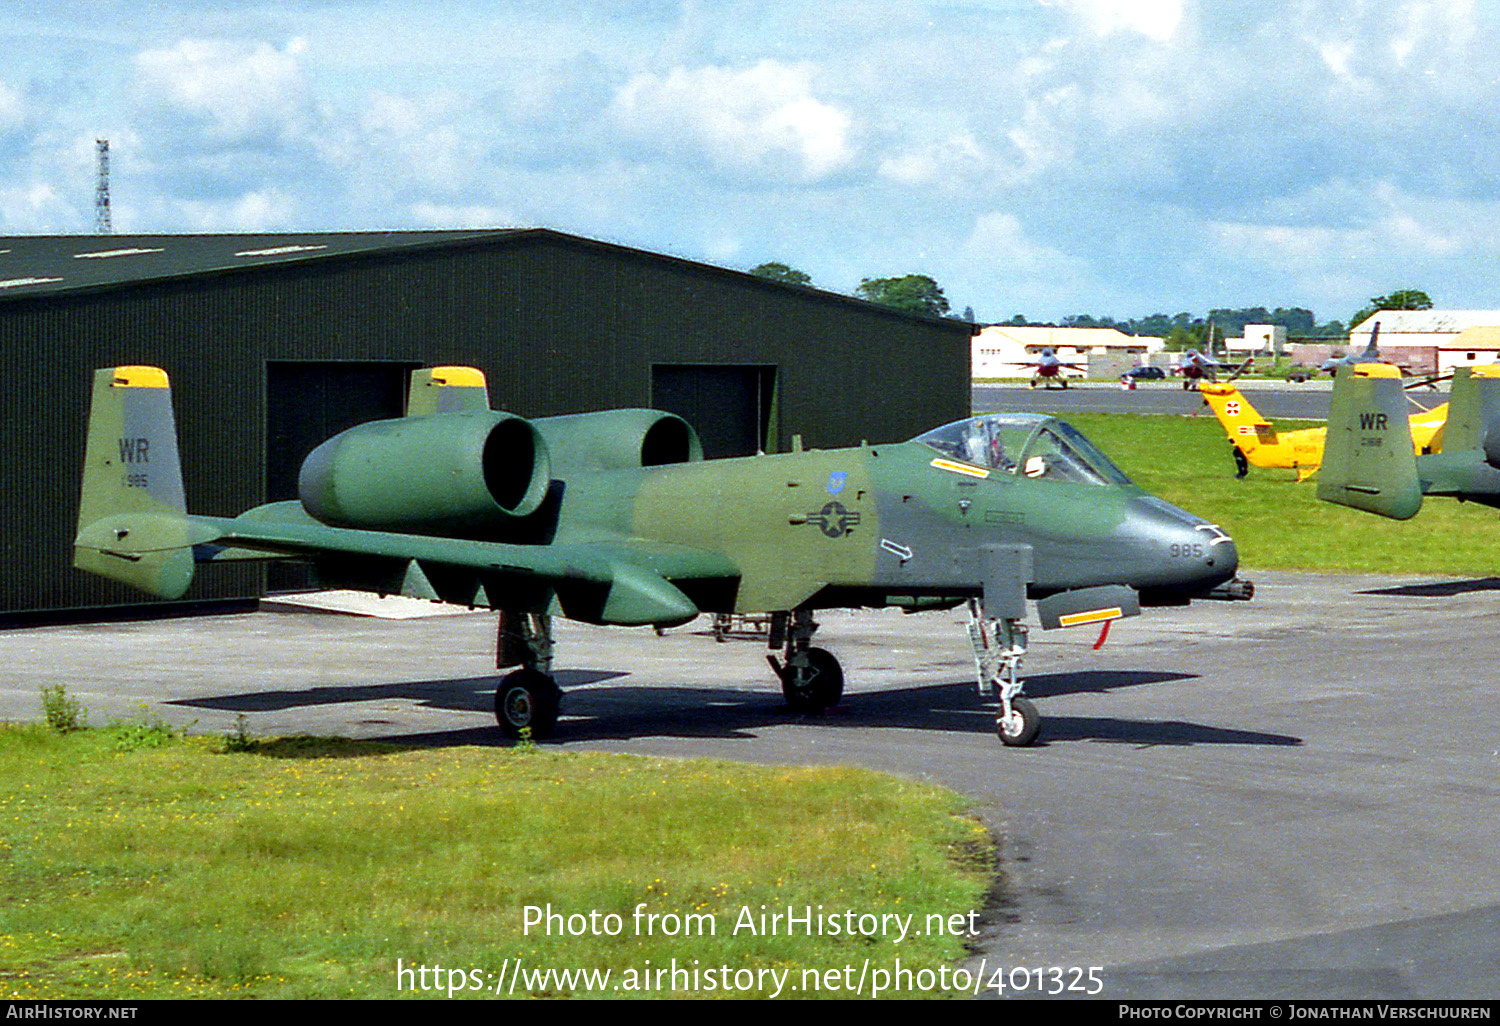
<point>276,342</point>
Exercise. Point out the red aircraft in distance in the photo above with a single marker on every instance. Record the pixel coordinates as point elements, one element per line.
<point>1049,369</point>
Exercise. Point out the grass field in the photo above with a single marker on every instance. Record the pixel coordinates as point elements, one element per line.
<point>1280,525</point>
<point>136,863</point>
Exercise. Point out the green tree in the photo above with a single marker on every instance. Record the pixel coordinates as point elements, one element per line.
<point>915,293</point>
<point>781,272</point>
<point>1401,299</point>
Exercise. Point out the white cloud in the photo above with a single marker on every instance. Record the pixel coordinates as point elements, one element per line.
<point>261,210</point>
<point>12,109</point>
<point>1157,19</point>
<point>35,208</point>
<point>1026,274</point>
<point>427,139</point>
<point>759,119</point>
<point>1383,238</point>
<point>947,161</point>
<point>998,238</point>
<point>1387,223</point>
<point>239,89</point>
<point>472,215</point>
<point>1420,28</point>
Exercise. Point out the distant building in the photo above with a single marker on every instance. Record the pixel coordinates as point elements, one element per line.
<point>1468,348</point>
<point>1438,340</point>
<point>1002,350</point>
<point>1259,338</point>
<point>1421,327</point>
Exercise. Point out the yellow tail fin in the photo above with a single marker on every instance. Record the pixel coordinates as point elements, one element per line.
<point>446,390</point>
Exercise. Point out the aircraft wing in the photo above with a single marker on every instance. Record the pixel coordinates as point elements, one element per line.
<point>625,582</point>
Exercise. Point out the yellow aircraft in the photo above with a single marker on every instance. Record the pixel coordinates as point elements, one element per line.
<point>1256,441</point>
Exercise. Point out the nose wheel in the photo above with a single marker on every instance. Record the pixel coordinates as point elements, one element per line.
<point>1018,727</point>
<point>999,646</point>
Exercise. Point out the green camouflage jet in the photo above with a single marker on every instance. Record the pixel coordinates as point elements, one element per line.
<point>615,518</point>
<point>1365,466</point>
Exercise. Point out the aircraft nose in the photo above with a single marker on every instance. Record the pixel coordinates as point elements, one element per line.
<point>1181,552</point>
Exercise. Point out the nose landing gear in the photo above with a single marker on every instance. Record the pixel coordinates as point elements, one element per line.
<point>999,646</point>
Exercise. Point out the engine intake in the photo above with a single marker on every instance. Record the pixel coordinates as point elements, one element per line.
<point>618,440</point>
<point>440,473</point>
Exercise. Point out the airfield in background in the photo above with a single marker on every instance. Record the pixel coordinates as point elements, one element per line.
<point>1306,401</point>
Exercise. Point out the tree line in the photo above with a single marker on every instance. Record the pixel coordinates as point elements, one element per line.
<point>918,293</point>
<point>914,293</point>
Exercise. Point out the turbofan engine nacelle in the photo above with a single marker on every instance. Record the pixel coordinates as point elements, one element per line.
<point>618,440</point>
<point>438,473</point>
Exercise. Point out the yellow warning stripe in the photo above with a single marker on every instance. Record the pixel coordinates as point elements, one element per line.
<point>140,377</point>
<point>1092,616</point>
<point>458,377</point>
<point>960,468</point>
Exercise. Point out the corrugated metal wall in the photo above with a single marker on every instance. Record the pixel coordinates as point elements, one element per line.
<point>558,324</point>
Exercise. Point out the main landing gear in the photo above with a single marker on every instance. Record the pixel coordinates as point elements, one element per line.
<point>811,678</point>
<point>526,701</point>
<point>999,647</point>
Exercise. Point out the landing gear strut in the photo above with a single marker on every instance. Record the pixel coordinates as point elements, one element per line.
<point>999,646</point>
<point>811,678</point>
<point>1241,464</point>
<point>528,699</point>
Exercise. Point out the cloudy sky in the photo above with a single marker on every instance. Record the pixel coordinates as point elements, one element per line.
<point>1044,157</point>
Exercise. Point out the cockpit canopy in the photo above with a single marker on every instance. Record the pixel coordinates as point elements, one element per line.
<point>1026,444</point>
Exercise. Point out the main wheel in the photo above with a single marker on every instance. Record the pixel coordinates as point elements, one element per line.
<point>815,686</point>
<point>1021,727</point>
<point>527,698</point>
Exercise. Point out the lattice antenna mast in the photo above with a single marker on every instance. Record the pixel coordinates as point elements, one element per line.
<point>102,224</point>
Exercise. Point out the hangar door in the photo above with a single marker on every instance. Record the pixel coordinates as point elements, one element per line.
<point>308,402</point>
<point>732,407</point>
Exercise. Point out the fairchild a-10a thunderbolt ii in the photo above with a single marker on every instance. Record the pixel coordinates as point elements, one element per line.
<point>615,518</point>
<point>1369,462</point>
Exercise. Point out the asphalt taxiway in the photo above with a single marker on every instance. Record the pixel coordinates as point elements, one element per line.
<point>1293,797</point>
<point>1308,400</point>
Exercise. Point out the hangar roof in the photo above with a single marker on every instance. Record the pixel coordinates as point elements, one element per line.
<point>1423,322</point>
<point>33,266</point>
